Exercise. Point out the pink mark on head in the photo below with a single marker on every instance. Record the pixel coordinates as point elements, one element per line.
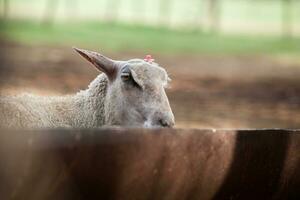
<point>148,58</point>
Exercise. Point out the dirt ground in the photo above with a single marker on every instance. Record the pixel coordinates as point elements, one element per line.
<point>206,92</point>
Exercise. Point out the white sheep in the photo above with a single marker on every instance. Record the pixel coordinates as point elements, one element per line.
<point>128,93</point>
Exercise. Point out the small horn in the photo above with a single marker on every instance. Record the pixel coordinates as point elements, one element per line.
<point>102,63</point>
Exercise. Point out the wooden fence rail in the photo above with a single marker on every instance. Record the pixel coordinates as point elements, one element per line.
<point>150,164</point>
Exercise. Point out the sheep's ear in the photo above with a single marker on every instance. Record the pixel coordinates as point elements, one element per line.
<point>102,63</point>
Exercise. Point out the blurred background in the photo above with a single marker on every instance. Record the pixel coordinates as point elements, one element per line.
<point>234,63</point>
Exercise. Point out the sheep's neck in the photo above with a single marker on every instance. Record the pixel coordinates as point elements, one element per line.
<point>90,104</point>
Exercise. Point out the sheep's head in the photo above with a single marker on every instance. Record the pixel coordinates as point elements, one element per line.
<point>135,92</point>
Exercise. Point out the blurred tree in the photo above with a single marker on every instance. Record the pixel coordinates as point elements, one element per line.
<point>138,9</point>
<point>164,12</point>
<point>214,15</point>
<point>5,8</point>
<point>286,6</point>
<point>72,8</point>
<point>112,9</point>
<point>198,13</point>
<point>50,11</point>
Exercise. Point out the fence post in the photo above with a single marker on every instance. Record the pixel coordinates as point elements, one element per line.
<point>50,11</point>
<point>164,12</point>
<point>214,15</point>
<point>138,7</point>
<point>5,9</point>
<point>72,9</point>
<point>286,26</point>
<point>111,10</point>
<point>198,14</point>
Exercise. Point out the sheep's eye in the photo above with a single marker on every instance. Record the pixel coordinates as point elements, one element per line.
<point>125,76</point>
<point>128,80</point>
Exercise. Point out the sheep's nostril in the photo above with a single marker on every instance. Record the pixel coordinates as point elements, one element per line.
<point>163,123</point>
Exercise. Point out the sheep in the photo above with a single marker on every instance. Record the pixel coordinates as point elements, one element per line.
<point>127,93</point>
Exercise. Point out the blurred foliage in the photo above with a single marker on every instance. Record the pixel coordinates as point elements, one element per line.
<point>228,16</point>
<point>120,37</point>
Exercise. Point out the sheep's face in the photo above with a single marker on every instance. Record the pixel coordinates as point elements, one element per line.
<point>135,92</point>
<point>137,96</point>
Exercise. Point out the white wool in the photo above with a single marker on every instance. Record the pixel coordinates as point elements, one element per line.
<point>115,101</point>
<point>82,110</point>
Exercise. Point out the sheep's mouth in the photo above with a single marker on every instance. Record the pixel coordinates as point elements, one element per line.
<point>147,124</point>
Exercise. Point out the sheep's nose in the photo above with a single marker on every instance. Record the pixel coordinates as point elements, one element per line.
<point>166,122</point>
<point>163,119</point>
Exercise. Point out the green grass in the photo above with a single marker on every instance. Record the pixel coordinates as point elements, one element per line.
<point>120,37</point>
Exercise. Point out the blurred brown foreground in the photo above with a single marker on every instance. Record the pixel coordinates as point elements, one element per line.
<point>149,164</point>
<point>206,92</point>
